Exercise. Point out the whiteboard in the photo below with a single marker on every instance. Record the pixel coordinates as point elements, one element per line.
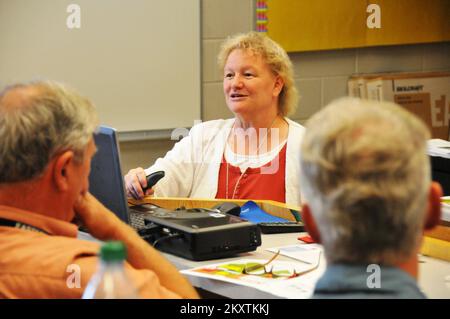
<point>137,60</point>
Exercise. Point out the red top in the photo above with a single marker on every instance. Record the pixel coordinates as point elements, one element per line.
<point>266,182</point>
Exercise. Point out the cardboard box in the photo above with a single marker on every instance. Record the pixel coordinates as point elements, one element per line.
<point>357,83</point>
<point>427,95</point>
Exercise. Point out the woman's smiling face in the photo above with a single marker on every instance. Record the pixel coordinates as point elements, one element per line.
<point>249,84</point>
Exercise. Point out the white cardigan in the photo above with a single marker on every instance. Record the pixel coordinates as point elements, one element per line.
<point>192,166</point>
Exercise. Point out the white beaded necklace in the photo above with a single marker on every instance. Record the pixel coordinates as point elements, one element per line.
<point>243,173</point>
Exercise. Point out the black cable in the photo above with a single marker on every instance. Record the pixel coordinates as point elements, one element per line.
<point>149,231</point>
<point>165,238</point>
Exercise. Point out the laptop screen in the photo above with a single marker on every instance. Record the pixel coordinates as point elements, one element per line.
<point>105,179</point>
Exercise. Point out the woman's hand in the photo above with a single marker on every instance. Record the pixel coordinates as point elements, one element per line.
<point>135,181</point>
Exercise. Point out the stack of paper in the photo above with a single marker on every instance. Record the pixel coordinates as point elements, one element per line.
<point>445,208</point>
<point>305,253</point>
<point>308,267</point>
<point>438,147</point>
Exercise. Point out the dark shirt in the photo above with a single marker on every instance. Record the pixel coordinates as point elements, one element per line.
<point>354,281</point>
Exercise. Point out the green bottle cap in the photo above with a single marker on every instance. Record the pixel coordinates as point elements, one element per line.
<point>113,251</point>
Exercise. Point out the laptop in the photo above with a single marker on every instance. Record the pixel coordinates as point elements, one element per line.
<point>106,180</point>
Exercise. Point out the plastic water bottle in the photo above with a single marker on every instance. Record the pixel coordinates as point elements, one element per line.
<point>111,281</point>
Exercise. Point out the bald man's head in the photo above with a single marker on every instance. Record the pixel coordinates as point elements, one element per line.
<point>17,96</point>
<point>37,120</point>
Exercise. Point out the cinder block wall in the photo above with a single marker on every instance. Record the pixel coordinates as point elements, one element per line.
<point>320,76</point>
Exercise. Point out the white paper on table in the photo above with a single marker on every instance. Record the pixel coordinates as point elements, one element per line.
<point>306,253</point>
<point>438,147</point>
<point>445,210</point>
<point>298,287</point>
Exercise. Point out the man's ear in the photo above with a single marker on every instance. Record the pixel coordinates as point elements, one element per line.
<point>310,223</point>
<point>433,215</point>
<point>61,170</point>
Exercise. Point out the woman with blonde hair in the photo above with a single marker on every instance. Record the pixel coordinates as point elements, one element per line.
<point>254,155</point>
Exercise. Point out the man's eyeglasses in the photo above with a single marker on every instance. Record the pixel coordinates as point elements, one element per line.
<point>267,270</point>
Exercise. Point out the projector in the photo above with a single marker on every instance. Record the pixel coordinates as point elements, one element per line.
<point>200,234</point>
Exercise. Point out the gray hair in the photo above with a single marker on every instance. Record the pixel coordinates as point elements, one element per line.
<point>366,176</point>
<point>49,120</point>
<point>275,57</point>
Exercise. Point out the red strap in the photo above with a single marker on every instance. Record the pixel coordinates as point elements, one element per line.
<point>307,239</point>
